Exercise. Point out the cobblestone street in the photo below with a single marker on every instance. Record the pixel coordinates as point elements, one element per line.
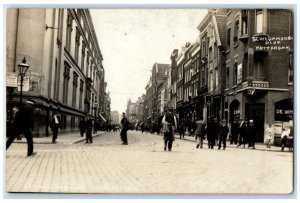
<point>143,166</point>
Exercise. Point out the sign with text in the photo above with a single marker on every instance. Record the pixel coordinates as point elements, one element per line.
<point>284,110</point>
<point>25,84</point>
<point>11,79</point>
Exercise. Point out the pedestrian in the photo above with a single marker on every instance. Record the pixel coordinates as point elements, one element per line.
<point>23,124</point>
<point>169,125</point>
<point>89,126</point>
<point>234,132</point>
<point>223,133</point>
<point>200,133</point>
<point>95,126</point>
<point>211,133</point>
<point>82,126</point>
<point>284,137</point>
<point>125,127</point>
<point>54,125</point>
<point>269,135</point>
<point>216,131</point>
<point>251,134</point>
<point>242,133</point>
<point>181,130</point>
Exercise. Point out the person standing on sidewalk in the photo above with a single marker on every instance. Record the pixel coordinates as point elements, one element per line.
<point>242,131</point>
<point>211,133</point>
<point>234,132</point>
<point>223,133</point>
<point>251,134</point>
<point>125,126</point>
<point>200,133</point>
<point>82,126</point>
<point>284,137</point>
<point>89,126</point>
<point>269,135</point>
<point>23,124</point>
<point>54,125</point>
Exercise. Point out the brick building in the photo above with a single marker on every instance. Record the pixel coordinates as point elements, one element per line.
<point>259,66</point>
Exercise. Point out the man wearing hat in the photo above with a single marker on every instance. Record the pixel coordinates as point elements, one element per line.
<point>24,125</point>
<point>251,134</point>
<point>223,133</point>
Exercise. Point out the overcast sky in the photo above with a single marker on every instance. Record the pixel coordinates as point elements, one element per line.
<point>132,40</point>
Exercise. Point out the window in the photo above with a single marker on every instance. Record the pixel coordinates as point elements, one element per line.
<point>236,31</point>
<point>228,36</point>
<point>211,88</point>
<point>291,69</point>
<point>80,94</point>
<point>215,50</point>
<point>210,54</point>
<point>66,83</point>
<point>203,48</point>
<point>244,67</point>
<point>227,77</point>
<point>258,73</point>
<point>234,79</point>
<point>75,84</point>
<point>77,44</point>
<point>82,56</point>
<point>217,78</point>
<point>259,21</point>
<point>69,32</point>
<point>244,22</point>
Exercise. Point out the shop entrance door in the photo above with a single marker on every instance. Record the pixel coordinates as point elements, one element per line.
<point>257,113</point>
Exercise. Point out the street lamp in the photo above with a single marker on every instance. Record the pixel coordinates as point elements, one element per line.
<point>22,67</point>
<point>251,91</point>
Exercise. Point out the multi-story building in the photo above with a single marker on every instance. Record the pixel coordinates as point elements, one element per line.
<point>115,117</point>
<point>259,66</point>
<point>173,73</point>
<point>158,77</point>
<point>66,72</point>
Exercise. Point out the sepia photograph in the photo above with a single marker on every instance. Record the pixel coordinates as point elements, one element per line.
<point>149,101</point>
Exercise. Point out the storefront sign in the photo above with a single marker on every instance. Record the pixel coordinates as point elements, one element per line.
<point>260,84</point>
<point>284,110</point>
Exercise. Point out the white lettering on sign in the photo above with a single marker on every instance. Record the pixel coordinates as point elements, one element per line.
<point>286,112</point>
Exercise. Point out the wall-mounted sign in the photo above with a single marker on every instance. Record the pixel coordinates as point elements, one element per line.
<point>284,110</point>
<point>25,84</point>
<point>11,80</point>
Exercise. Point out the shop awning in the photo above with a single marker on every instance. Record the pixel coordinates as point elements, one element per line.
<point>102,117</point>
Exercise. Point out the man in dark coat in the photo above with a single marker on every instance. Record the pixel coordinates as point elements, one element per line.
<point>54,125</point>
<point>243,133</point>
<point>125,127</point>
<point>223,133</point>
<point>211,133</point>
<point>251,134</point>
<point>24,124</point>
<point>200,133</point>
<point>234,132</point>
<point>82,126</point>
<point>89,126</point>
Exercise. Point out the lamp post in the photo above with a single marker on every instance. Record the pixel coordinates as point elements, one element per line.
<point>22,67</point>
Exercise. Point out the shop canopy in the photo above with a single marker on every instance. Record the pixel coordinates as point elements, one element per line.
<point>102,117</point>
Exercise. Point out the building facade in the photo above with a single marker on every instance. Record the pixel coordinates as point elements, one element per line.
<point>259,67</point>
<point>66,74</point>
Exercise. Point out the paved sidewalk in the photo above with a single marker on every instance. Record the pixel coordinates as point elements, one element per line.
<point>64,138</point>
<point>258,146</point>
